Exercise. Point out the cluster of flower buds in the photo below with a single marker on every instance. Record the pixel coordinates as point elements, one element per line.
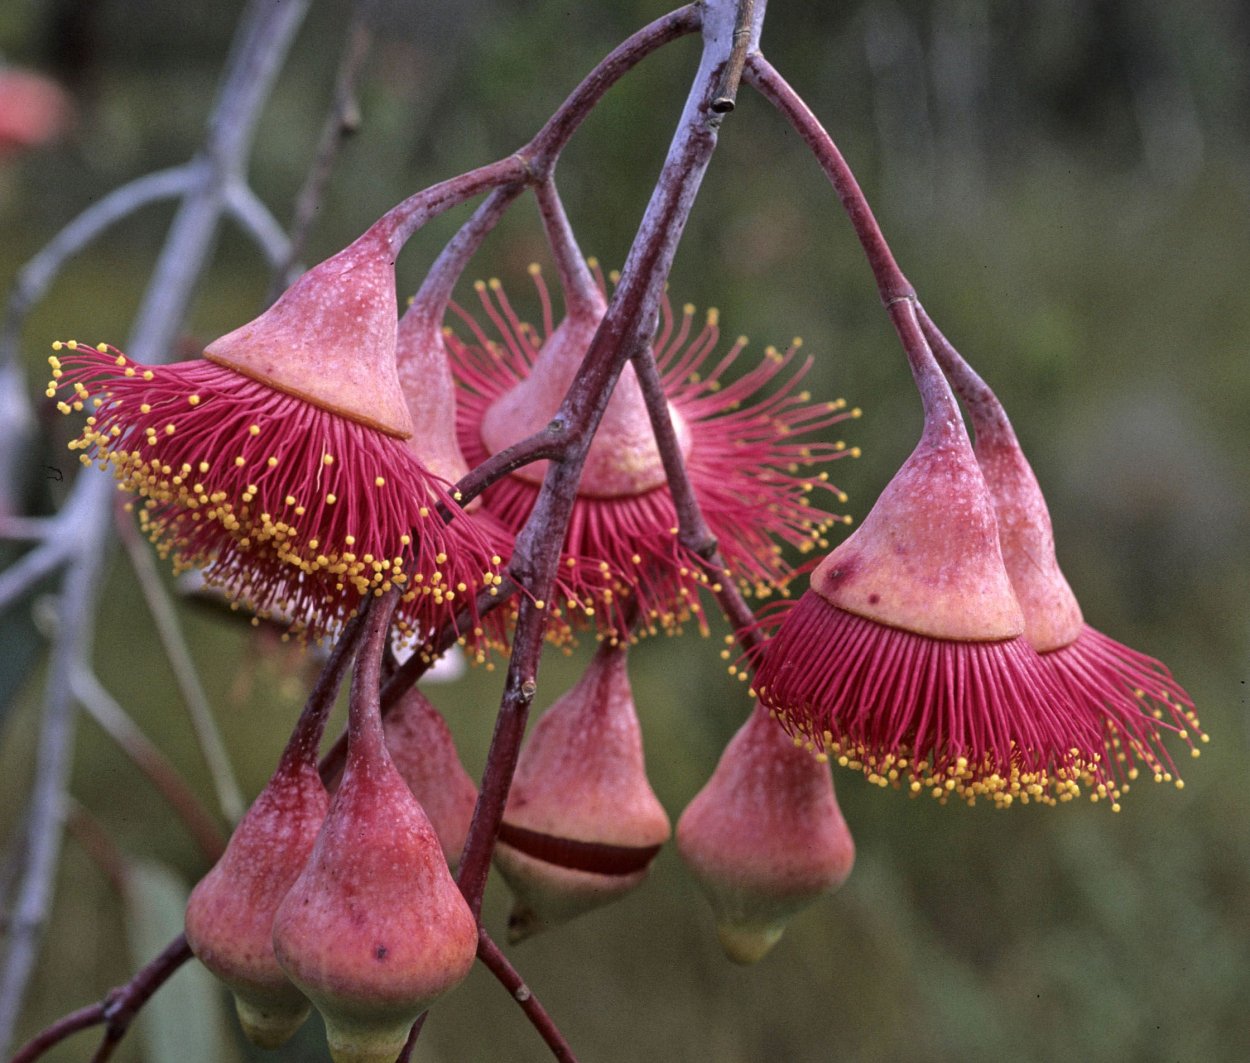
<point>334,457</point>
<point>347,901</point>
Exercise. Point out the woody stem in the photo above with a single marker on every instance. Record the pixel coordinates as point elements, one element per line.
<point>625,329</point>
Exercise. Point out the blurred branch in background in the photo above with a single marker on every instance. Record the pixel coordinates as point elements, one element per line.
<point>265,35</point>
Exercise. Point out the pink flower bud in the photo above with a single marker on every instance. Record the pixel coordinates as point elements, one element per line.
<point>231,911</point>
<point>421,747</point>
<point>374,929</point>
<point>765,837</point>
<point>582,824</point>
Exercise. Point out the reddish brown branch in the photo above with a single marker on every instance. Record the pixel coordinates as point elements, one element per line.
<point>116,1011</point>
<point>891,283</point>
<point>64,1027</point>
<point>624,330</point>
<point>497,963</point>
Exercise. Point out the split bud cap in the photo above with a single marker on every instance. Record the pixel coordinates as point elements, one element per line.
<point>582,823</point>
<point>230,913</point>
<point>765,837</point>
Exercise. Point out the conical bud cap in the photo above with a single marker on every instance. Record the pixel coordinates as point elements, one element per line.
<point>927,559</point>
<point>623,457</point>
<point>330,339</point>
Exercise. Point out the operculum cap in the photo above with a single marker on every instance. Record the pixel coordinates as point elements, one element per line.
<point>764,838</point>
<point>230,913</point>
<point>927,558</point>
<point>429,391</point>
<point>330,339</point>
<point>623,457</point>
<point>1052,616</point>
<point>582,823</point>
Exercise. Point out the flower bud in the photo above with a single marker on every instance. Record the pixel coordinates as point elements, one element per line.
<point>420,744</point>
<point>582,824</point>
<point>765,837</point>
<point>230,913</point>
<point>374,929</point>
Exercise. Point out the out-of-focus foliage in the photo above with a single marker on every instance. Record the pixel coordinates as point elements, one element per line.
<point>1068,185</point>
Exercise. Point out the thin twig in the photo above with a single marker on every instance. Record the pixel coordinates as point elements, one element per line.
<point>45,816</point>
<point>123,1003</point>
<point>497,963</point>
<point>34,565</point>
<point>693,532</point>
<point>548,442</point>
<point>29,529</point>
<point>727,90</point>
<point>148,758</point>
<point>169,630</point>
<point>66,1026</point>
<point>581,294</point>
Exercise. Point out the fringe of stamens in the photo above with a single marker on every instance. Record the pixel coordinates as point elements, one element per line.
<point>1135,698</point>
<point>749,455</point>
<point>962,719</point>
<point>294,509</point>
<point>621,558</point>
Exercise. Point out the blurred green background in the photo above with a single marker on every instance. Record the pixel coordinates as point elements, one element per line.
<point>1068,186</point>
